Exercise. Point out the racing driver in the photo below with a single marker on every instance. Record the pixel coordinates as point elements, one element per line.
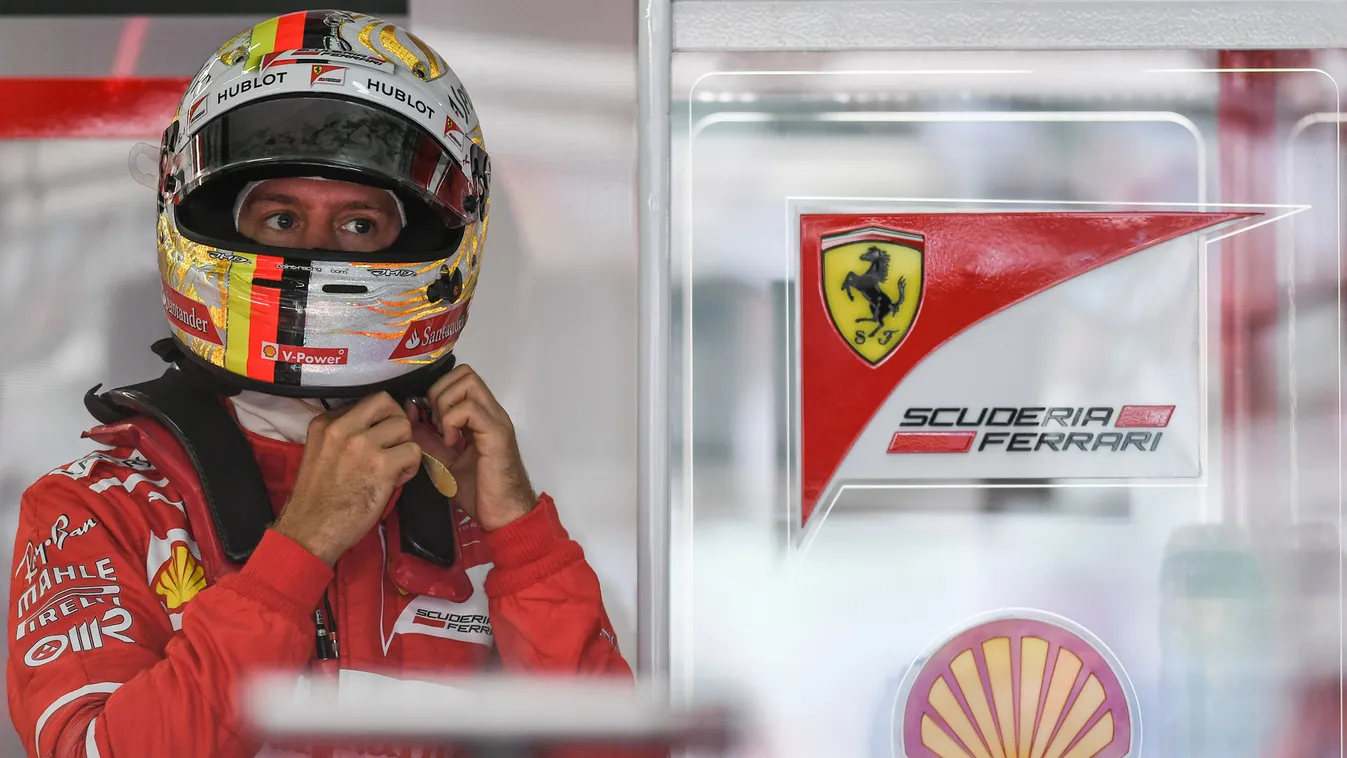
<point>312,486</point>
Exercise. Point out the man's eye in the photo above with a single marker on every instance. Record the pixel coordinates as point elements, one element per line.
<point>283,221</point>
<point>358,226</point>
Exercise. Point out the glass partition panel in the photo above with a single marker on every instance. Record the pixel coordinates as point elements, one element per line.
<point>1008,401</point>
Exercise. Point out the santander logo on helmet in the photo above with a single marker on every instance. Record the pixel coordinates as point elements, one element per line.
<point>297,96</point>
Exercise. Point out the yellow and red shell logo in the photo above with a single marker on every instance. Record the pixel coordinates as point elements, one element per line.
<point>1024,684</point>
<point>180,578</point>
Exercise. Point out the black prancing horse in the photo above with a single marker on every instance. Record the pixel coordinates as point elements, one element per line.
<point>881,305</point>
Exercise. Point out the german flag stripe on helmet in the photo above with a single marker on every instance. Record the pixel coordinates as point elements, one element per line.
<point>290,320</point>
<point>276,34</point>
<point>267,301</point>
<point>316,30</point>
<point>240,307</point>
<point>263,316</point>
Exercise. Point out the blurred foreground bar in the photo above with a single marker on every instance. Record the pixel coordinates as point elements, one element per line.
<point>495,711</point>
<point>260,8</point>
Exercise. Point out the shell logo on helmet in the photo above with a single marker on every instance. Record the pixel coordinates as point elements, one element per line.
<point>310,356</point>
<point>262,118</point>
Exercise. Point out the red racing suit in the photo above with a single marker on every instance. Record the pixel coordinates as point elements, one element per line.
<point>122,644</point>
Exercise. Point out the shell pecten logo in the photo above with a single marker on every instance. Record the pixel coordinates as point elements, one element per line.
<point>1028,685</point>
<point>180,578</point>
<point>269,351</point>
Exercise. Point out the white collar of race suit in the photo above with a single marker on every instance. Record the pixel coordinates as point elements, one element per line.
<point>275,417</point>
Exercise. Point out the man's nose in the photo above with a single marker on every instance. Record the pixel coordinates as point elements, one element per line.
<point>320,235</point>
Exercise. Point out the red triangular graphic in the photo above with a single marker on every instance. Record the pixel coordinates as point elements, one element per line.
<point>975,264</point>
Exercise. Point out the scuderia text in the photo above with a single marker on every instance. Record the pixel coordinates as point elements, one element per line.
<point>1033,429</point>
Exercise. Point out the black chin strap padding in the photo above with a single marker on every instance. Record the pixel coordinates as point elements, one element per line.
<point>426,521</point>
<point>231,480</point>
<point>170,351</point>
<point>419,382</point>
<point>100,409</point>
<point>167,350</point>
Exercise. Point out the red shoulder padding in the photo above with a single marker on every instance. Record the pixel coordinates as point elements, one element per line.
<point>162,450</point>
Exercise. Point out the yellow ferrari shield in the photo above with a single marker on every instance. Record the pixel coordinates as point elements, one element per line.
<point>872,282</point>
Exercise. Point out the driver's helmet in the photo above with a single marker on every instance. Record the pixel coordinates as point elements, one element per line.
<point>339,96</point>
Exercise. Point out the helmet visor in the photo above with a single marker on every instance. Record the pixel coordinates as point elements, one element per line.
<point>292,135</point>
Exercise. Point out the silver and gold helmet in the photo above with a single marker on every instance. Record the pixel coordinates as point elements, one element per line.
<point>335,95</point>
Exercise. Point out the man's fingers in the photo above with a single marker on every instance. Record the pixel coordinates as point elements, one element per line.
<point>463,387</point>
<point>456,373</point>
<point>368,411</point>
<point>467,387</point>
<point>390,432</point>
<point>467,414</point>
<point>318,424</point>
<point>462,382</point>
<point>432,443</point>
<point>470,416</point>
<point>403,460</point>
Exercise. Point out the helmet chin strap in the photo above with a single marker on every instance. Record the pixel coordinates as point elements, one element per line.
<point>250,186</point>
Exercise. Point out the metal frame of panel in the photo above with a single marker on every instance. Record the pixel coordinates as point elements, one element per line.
<point>1018,25</point>
<point>655,56</point>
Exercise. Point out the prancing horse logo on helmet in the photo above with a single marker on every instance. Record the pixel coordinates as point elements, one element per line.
<point>872,282</point>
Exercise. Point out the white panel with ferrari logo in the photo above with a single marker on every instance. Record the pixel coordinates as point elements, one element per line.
<point>973,453</point>
<point>924,354</point>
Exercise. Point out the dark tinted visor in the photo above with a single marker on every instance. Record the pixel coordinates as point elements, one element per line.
<point>290,135</point>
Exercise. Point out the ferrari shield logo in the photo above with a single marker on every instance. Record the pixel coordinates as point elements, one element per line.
<point>872,282</point>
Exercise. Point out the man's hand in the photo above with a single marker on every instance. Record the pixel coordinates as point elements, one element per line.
<point>353,460</point>
<point>476,442</point>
